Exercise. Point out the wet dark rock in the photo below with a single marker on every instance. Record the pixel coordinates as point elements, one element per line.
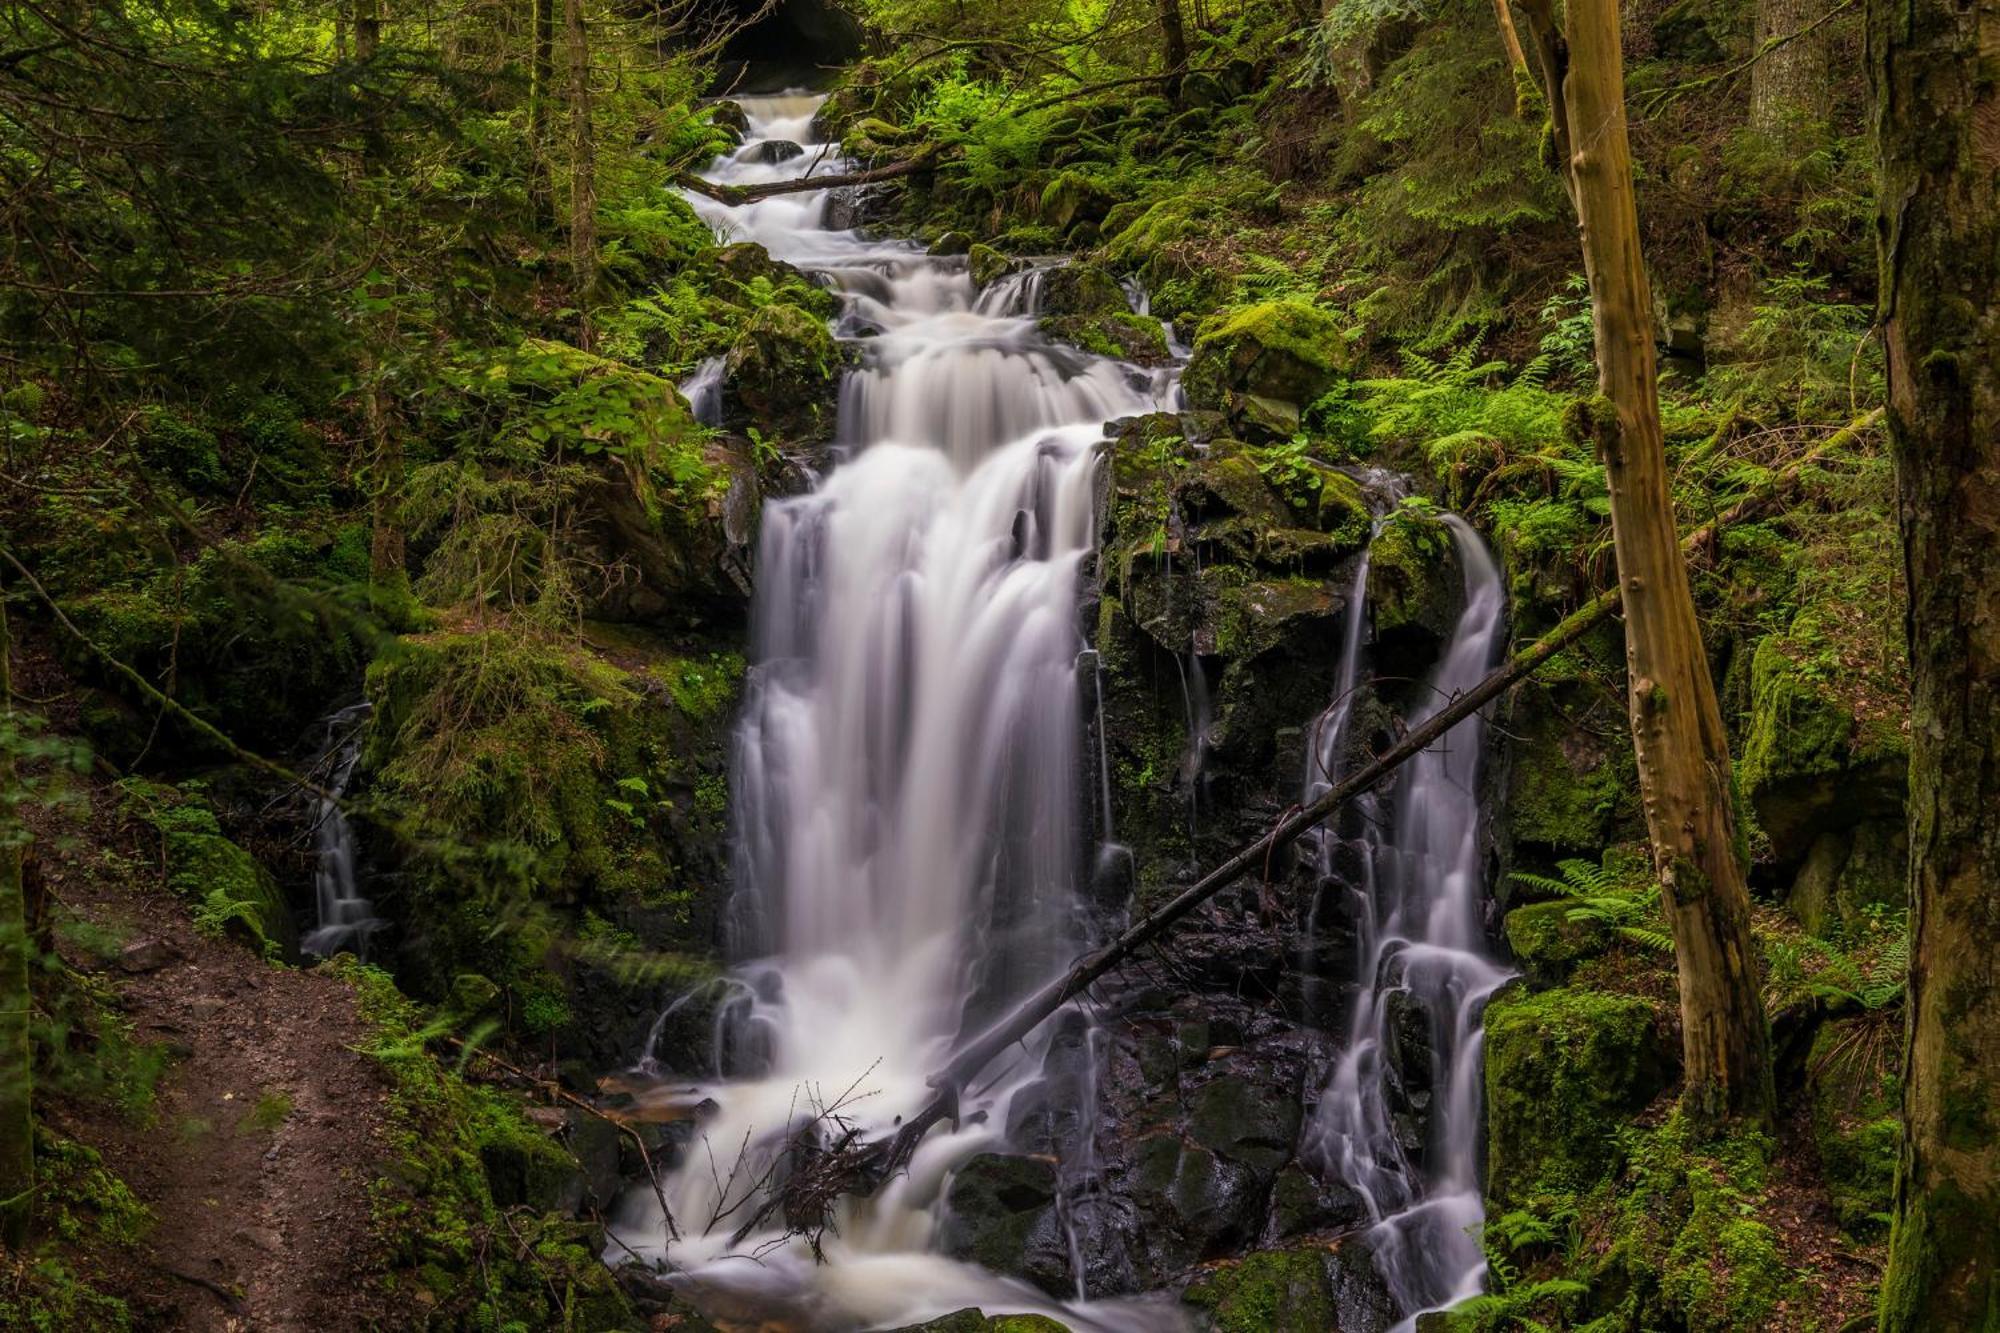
<point>774,151</point>
<point>1246,1120</point>
<point>729,116</point>
<point>784,375</point>
<point>1360,1297</point>
<point>1302,1203</point>
<point>1000,1213</point>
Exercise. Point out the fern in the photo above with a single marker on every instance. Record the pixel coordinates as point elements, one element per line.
<point>1605,897</point>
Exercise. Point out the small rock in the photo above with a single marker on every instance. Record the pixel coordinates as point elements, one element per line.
<point>549,1119</point>
<point>773,151</point>
<point>147,955</point>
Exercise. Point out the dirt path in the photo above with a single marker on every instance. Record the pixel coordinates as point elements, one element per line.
<point>269,1124</point>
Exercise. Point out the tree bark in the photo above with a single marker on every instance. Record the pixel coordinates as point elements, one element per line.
<point>582,171</point>
<point>1173,37</point>
<point>367,28</point>
<point>1790,94</point>
<point>1936,102</point>
<point>1683,752</point>
<point>1510,40</point>
<point>541,78</point>
<point>17,1125</point>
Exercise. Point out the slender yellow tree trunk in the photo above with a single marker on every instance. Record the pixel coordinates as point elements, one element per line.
<point>1683,752</point>
<point>541,78</point>
<point>1934,70</point>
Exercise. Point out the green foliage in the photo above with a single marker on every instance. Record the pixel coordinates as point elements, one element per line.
<point>1608,895</point>
<point>87,1219</point>
<point>1798,351</point>
<point>230,891</point>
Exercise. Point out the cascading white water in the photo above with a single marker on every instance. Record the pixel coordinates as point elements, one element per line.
<point>906,766</point>
<point>346,920</point>
<point>1420,945</point>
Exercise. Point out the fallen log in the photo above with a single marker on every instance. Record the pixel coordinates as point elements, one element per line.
<point>737,195</point>
<point>975,1055</point>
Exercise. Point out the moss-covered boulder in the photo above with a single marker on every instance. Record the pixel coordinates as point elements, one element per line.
<point>1416,588</point>
<point>1568,787</point>
<point>686,547</point>
<point>1082,290</point>
<point>1851,875</point>
<point>1000,1213</point>
<point>1271,1291</point>
<point>1548,941</point>
<point>571,793</point>
<point>987,264</point>
<point>1119,334</point>
<point>784,374</point>
<point>975,1321</point>
<point>1809,763</point>
<point>1854,1101</point>
<point>229,890</point>
<point>950,244</point>
<point>1564,1069</point>
<point>1265,364</point>
<point>1072,198</point>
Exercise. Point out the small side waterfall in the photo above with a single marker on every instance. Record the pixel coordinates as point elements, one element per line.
<point>1421,960</point>
<point>905,784</point>
<point>346,919</point>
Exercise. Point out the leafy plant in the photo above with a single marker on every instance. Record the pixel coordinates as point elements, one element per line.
<point>1606,896</point>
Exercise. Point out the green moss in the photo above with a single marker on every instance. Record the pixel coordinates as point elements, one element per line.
<point>1272,1291</point>
<point>230,891</point>
<point>785,368</point>
<point>1119,334</point>
<point>1264,364</point>
<point>86,1220</point>
<point>1548,944</point>
<point>705,689</point>
<point>1854,1103</point>
<point>461,1154</point>
<point>1413,576</point>
<point>1564,1070</point>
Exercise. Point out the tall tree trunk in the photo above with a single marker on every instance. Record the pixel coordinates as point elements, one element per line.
<point>1510,40</point>
<point>367,28</point>
<point>1790,95</point>
<point>582,171</point>
<point>1931,66</point>
<point>1173,35</point>
<point>1683,753</point>
<point>17,1125</point>
<point>541,78</point>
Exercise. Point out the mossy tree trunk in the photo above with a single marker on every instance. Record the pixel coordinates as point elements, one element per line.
<point>17,1125</point>
<point>1682,750</point>
<point>1936,94</point>
<point>582,170</point>
<point>1789,91</point>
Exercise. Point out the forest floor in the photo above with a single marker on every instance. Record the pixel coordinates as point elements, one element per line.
<point>266,1128</point>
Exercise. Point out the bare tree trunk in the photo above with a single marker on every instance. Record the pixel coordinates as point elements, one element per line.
<point>17,1124</point>
<point>1931,66</point>
<point>582,171</point>
<point>367,28</point>
<point>1510,40</point>
<point>541,78</point>
<point>1683,752</point>
<point>1174,37</point>
<point>1790,95</point>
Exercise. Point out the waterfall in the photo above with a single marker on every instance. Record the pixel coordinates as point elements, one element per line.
<point>1420,947</point>
<point>346,920</point>
<point>905,773</point>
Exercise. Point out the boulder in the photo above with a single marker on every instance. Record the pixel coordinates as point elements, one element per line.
<point>1564,1069</point>
<point>950,244</point>
<point>987,264</point>
<point>1072,198</point>
<point>1000,1213</point>
<point>1270,1291</point>
<point>1120,335</point>
<point>729,116</point>
<point>1547,943</point>
<point>784,374</point>
<point>1082,289</point>
<point>1850,874</point>
<point>773,151</point>
<point>1263,365</point>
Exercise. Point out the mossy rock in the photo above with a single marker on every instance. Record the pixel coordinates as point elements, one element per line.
<point>1246,1121</point>
<point>951,244</point>
<point>1082,289</point>
<point>1120,335</point>
<point>1548,944</point>
<point>1000,1213</point>
<point>872,136</point>
<point>1416,586</point>
<point>975,1321</point>
<point>730,116</point>
<point>784,374</point>
<point>1565,1069</point>
<point>229,890</point>
<point>1072,198</point>
<point>1807,765</point>
<point>1855,1104</point>
<point>1265,364</point>
<point>1567,788</point>
<point>988,265</point>
<point>1271,1291</point>
<point>1849,875</point>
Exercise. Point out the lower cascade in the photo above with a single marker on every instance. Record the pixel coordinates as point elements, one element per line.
<point>910,808</point>
<point>1416,891</point>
